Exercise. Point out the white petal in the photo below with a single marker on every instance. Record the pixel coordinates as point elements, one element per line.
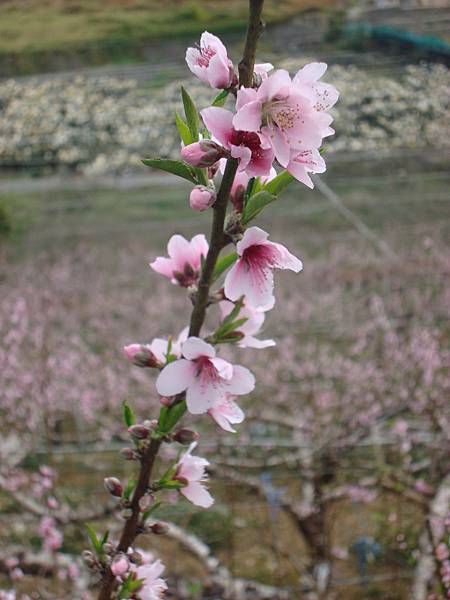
<point>194,347</point>
<point>175,377</point>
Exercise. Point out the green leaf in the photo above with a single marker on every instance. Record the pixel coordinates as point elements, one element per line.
<point>278,183</point>
<point>128,414</point>
<point>221,98</point>
<point>223,264</point>
<point>183,129</point>
<point>104,538</point>
<point>192,118</point>
<point>170,415</point>
<point>146,514</point>
<point>255,205</point>
<point>176,167</point>
<point>96,544</point>
<point>131,484</point>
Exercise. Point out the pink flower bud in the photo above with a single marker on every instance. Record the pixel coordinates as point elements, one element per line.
<point>202,197</point>
<point>128,454</point>
<point>186,436</point>
<point>166,400</point>
<point>203,154</point>
<point>140,432</point>
<point>113,486</point>
<point>120,565</point>
<point>159,528</point>
<point>146,501</point>
<point>141,355</point>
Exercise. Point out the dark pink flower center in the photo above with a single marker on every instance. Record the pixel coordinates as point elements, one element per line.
<point>259,257</point>
<point>187,277</point>
<point>204,56</point>
<point>250,139</point>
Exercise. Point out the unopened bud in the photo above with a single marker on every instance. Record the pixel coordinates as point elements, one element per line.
<point>141,355</point>
<point>108,548</point>
<point>89,558</point>
<point>159,528</point>
<point>166,400</point>
<point>128,454</point>
<point>203,154</point>
<point>186,436</point>
<point>140,432</point>
<point>135,557</point>
<point>151,423</point>
<point>201,198</point>
<point>120,565</point>
<point>146,501</point>
<point>113,486</point>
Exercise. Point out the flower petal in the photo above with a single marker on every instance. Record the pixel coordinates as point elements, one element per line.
<point>248,118</point>
<point>242,382</point>
<point>219,122</point>
<point>175,377</point>
<point>195,347</point>
<point>196,493</point>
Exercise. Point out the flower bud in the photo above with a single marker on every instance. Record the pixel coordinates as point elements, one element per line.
<point>88,558</point>
<point>203,154</point>
<point>146,501</point>
<point>201,198</point>
<point>141,355</point>
<point>113,486</point>
<point>128,454</point>
<point>120,565</point>
<point>159,528</point>
<point>166,400</point>
<point>186,436</point>
<point>135,557</point>
<point>140,432</point>
<point>108,548</point>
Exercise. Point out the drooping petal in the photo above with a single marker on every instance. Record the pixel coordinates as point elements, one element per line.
<point>219,121</point>
<point>195,347</point>
<point>175,377</point>
<point>224,368</point>
<point>244,155</point>
<point>250,341</point>
<point>196,493</point>
<point>286,260</point>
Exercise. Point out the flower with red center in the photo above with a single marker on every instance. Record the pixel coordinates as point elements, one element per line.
<point>152,587</point>
<point>210,62</point>
<point>205,377</point>
<point>252,275</point>
<point>246,146</point>
<point>184,262</point>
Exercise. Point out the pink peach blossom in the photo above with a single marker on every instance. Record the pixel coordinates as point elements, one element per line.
<point>153,587</point>
<point>120,565</point>
<point>183,265</point>
<point>191,470</point>
<point>205,377</point>
<point>226,412</point>
<point>210,62</point>
<point>302,162</point>
<point>251,327</point>
<point>251,276</point>
<point>246,146</point>
<point>283,116</point>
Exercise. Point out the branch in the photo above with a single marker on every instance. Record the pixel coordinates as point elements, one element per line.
<point>254,29</point>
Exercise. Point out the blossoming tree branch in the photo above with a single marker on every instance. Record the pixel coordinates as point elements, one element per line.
<point>277,121</point>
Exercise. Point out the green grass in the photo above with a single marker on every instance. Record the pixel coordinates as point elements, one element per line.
<point>115,30</point>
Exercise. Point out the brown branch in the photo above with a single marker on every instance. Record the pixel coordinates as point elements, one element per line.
<point>131,528</point>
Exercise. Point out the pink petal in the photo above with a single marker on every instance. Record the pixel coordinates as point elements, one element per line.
<point>194,347</point>
<point>163,265</point>
<point>244,96</point>
<point>248,118</point>
<point>219,122</point>
<point>310,72</point>
<point>276,85</point>
<point>175,377</point>
<point>300,173</point>
<point>219,72</point>
<point>244,155</point>
<point>280,146</point>
<point>224,368</point>
<point>208,39</point>
<point>243,381</point>
<point>286,260</point>
<point>252,235</point>
<point>251,342</point>
<point>201,395</point>
<point>196,493</point>
<point>236,281</point>
<point>178,250</point>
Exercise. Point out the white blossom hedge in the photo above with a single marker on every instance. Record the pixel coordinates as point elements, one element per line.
<point>104,125</point>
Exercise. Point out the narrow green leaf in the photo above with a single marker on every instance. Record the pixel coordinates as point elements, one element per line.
<point>146,514</point>
<point>223,264</point>
<point>183,130</point>
<point>176,167</point>
<point>192,117</point>
<point>104,538</point>
<point>221,98</point>
<point>255,205</point>
<point>175,413</point>
<point>227,328</point>
<point>131,484</point>
<point>128,414</point>
<point>93,537</point>
<point>278,183</point>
